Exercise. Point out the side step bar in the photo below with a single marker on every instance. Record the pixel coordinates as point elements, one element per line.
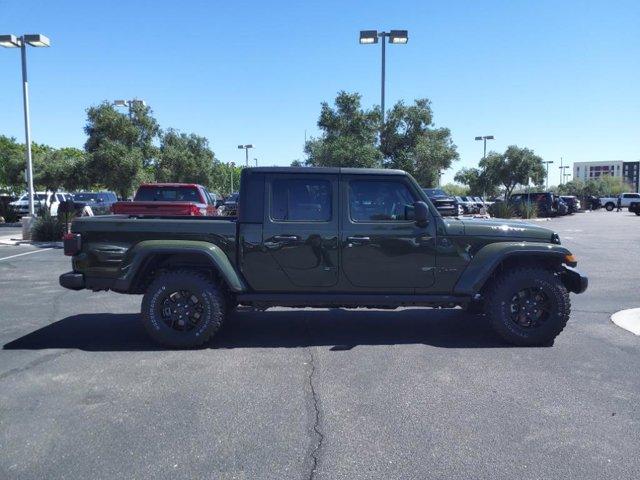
<point>348,300</point>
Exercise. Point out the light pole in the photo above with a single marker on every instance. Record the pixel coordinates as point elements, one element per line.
<point>546,164</point>
<point>246,152</point>
<point>562,169</point>
<point>396,37</point>
<point>484,139</point>
<point>35,40</point>
<point>129,104</point>
<point>256,160</point>
<point>233,165</point>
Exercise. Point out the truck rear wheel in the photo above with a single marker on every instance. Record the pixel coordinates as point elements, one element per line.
<point>528,306</point>
<point>609,206</point>
<point>182,309</point>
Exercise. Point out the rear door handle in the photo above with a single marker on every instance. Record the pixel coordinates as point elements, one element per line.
<point>286,238</point>
<point>358,239</point>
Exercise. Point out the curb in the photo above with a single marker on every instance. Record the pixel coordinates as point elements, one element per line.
<point>628,319</point>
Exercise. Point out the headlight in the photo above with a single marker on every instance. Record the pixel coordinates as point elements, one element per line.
<point>555,238</point>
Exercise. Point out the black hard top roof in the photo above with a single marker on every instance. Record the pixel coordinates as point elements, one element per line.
<point>327,170</point>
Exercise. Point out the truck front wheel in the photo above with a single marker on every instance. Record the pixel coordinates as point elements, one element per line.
<point>528,306</point>
<point>609,206</point>
<point>182,309</point>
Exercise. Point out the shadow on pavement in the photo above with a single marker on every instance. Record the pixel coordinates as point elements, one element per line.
<point>336,328</point>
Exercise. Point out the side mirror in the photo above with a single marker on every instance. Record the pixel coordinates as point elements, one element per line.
<point>421,214</point>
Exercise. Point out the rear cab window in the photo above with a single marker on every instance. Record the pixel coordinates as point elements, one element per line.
<point>167,194</point>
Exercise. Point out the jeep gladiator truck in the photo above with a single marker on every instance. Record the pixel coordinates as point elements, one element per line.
<point>326,237</point>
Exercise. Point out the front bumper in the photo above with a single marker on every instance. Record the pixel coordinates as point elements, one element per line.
<point>72,281</point>
<point>574,280</point>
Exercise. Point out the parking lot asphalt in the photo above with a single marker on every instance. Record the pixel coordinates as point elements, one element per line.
<point>324,393</point>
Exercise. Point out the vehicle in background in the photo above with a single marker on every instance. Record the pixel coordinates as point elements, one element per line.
<point>468,207</point>
<point>611,203</point>
<point>230,206</point>
<point>99,202</point>
<point>634,207</point>
<point>168,199</point>
<point>41,200</point>
<point>572,203</point>
<point>592,202</point>
<point>482,207</point>
<point>548,204</point>
<point>327,238</point>
<point>446,204</point>
<point>561,205</point>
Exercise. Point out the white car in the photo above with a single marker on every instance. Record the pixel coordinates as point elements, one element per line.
<point>40,200</point>
<point>611,203</point>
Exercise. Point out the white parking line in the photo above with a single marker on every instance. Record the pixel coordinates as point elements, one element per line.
<point>26,253</point>
<point>628,319</point>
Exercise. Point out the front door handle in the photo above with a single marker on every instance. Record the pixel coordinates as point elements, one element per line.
<point>286,238</point>
<point>358,239</point>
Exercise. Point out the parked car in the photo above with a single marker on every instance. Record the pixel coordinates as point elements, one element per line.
<point>229,207</point>
<point>100,203</point>
<point>634,207</point>
<point>549,205</point>
<point>610,203</point>
<point>327,237</point>
<point>168,199</point>
<point>466,206</point>
<point>41,200</point>
<point>572,202</point>
<point>446,204</point>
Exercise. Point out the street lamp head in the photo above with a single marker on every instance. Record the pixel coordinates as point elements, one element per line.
<point>9,41</point>
<point>398,36</point>
<point>248,146</point>
<point>240,147</point>
<point>368,37</point>
<point>478,138</point>
<point>120,103</point>
<point>37,40</point>
<point>489,137</point>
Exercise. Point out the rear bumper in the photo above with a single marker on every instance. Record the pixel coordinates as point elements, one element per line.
<point>72,281</point>
<point>574,280</point>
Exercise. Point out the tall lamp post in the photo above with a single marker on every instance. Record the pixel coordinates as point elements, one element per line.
<point>546,164</point>
<point>34,40</point>
<point>396,37</point>
<point>484,139</point>
<point>129,104</point>
<point>246,152</point>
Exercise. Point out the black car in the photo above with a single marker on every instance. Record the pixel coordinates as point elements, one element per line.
<point>573,204</point>
<point>230,206</point>
<point>446,204</point>
<point>99,202</point>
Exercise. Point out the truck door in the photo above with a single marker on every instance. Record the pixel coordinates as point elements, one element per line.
<point>301,229</point>
<point>381,248</point>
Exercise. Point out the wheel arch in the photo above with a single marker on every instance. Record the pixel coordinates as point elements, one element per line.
<point>494,258</point>
<point>146,258</point>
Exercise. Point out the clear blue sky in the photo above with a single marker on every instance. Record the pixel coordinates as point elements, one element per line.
<point>561,77</point>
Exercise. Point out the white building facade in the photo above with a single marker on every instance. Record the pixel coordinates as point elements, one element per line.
<point>629,171</point>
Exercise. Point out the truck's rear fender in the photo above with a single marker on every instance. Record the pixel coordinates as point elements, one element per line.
<point>149,256</point>
<point>493,258</point>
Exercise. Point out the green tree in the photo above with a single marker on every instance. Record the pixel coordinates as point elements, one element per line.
<point>348,135</point>
<point>410,142</point>
<point>120,148</point>
<point>184,158</point>
<point>61,168</point>
<point>516,166</point>
<point>456,189</point>
<point>223,175</point>
<point>478,182</point>
<point>12,163</point>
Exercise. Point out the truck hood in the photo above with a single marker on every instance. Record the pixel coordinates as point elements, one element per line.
<point>507,229</point>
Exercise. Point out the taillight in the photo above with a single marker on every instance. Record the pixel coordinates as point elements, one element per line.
<point>194,210</point>
<point>72,244</point>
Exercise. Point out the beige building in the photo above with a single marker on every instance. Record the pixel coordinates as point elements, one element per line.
<point>629,171</point>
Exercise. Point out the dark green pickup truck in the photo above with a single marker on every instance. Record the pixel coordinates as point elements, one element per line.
<point>326,237</point>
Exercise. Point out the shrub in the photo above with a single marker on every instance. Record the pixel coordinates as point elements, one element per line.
<point>9,213</point>
<point>529,210</point>
<point>48,228</point>
<point>501,210</point>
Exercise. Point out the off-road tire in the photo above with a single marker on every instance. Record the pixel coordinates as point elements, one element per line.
<point>498,299</point>
<point>609,207</point>
<point>210,298</point>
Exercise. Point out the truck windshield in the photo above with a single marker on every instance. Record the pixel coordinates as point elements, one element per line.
<point>167,194</point>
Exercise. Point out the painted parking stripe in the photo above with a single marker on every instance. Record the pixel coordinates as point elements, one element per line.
<point>26,253</point>
<point>628,319</point>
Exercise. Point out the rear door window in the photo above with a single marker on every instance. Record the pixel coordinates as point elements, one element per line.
<point>301,200</point>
